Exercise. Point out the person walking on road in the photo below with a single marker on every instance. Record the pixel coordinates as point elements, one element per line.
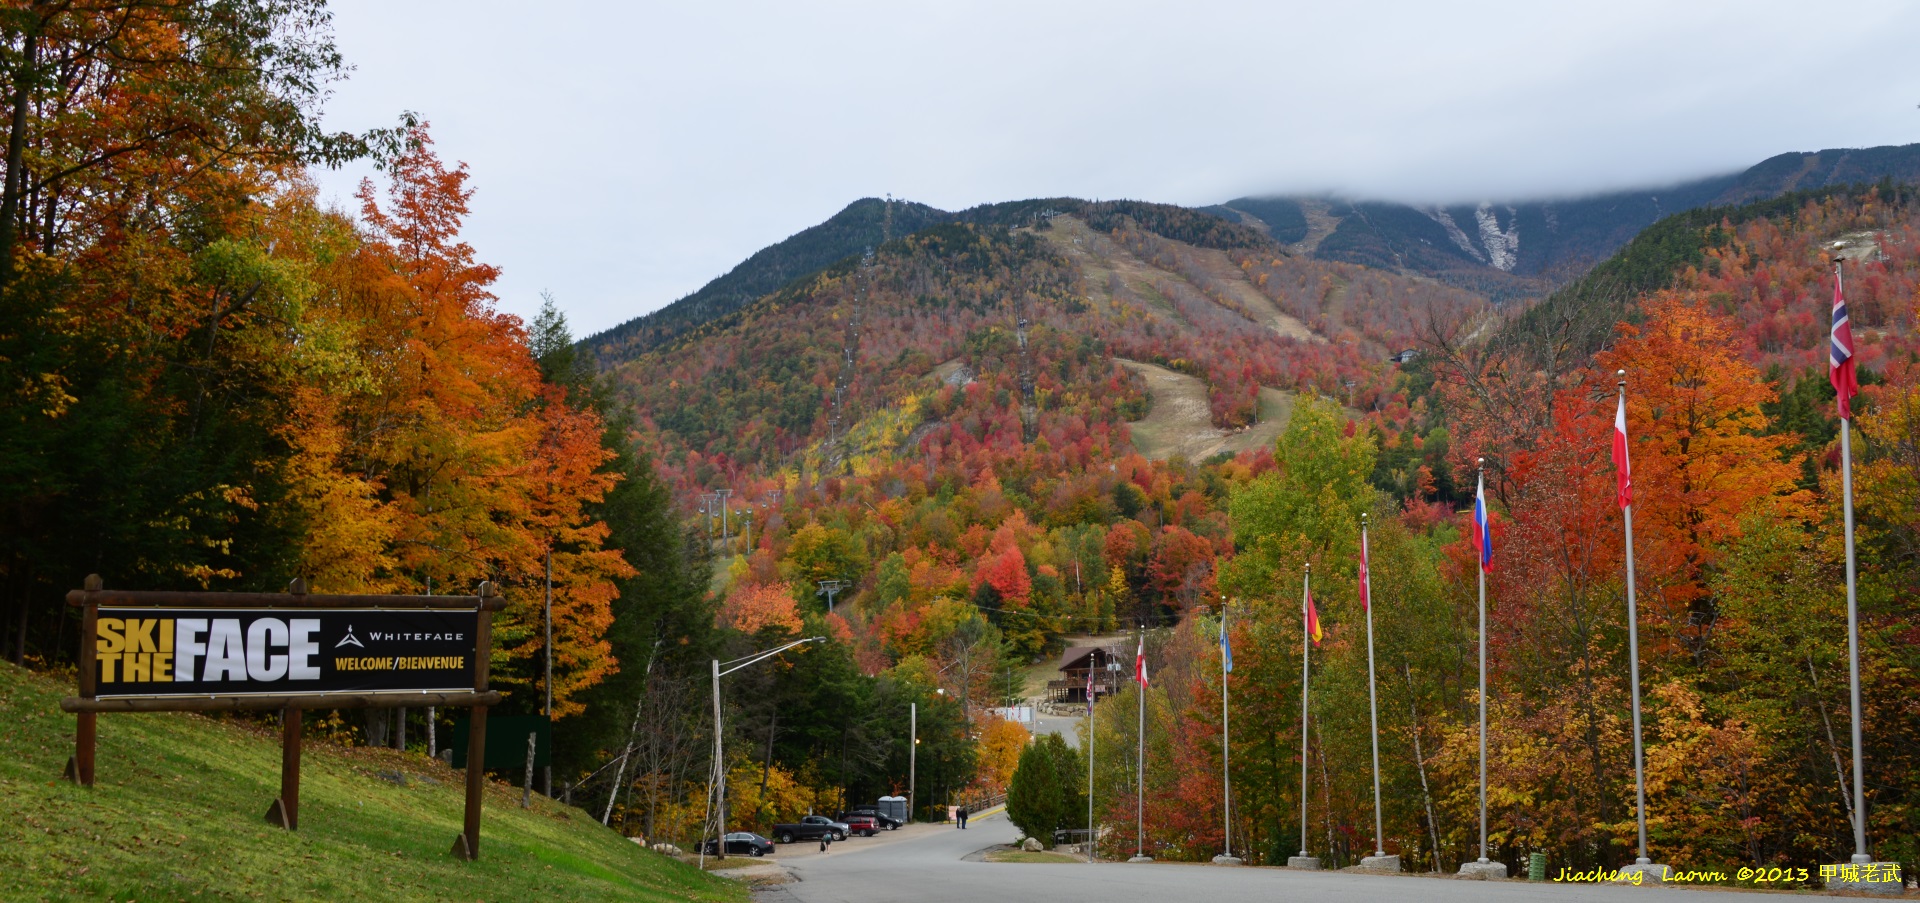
<point>963,818</point>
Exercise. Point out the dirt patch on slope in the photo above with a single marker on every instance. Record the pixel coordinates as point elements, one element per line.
<point>1180,422</point>
<point>1320,224</point>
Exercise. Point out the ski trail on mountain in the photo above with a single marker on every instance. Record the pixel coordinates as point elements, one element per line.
<point>1181,423</point>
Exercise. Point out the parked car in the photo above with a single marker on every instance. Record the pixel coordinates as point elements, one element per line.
<point>863,825</point>
<point>886,821</point>
<point>813,827</point>
<point>743,843</point>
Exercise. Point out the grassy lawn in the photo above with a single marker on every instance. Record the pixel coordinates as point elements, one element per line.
<point>177,814</point>
<point>1024,856</point>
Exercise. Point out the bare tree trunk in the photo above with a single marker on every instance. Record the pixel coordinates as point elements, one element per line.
<point>766,769</point>
<point>1833,748</point>
<point>1420,761</point>
<point>16,152</point>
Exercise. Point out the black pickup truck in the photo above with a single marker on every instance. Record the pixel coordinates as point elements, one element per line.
<point>812,827</point>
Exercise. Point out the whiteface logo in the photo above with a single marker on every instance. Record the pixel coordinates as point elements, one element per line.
<point>349,639</point>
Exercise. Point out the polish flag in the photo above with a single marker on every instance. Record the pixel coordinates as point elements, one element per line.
<point>1622,468</point>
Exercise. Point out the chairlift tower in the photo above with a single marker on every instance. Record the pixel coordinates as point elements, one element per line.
<point>707,502</point>
<point>831,588</point>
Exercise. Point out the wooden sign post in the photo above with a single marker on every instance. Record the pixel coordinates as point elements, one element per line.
<point>206,652</point>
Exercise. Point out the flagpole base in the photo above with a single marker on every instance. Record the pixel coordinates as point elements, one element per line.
<point>1484,870</point>
<point>1881,878</point>
<point>1224,859</point>
<point>1309,863</point>
<point>1380,863</point>
<point>1642,873</point>
<point>1141,857</point>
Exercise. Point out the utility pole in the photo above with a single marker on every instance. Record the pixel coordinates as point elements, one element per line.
<point>724,495</point>
<point>717,791</point>
<point>547,773</point>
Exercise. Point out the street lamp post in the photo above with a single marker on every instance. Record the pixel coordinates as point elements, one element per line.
<point>717,788</point>
<point>913,754</point>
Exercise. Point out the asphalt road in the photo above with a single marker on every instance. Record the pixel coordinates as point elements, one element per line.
<point>1058,724</point>
<point>925,864</point>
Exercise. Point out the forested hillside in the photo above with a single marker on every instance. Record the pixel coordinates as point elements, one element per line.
<point>1002,430</point>
<point>873,426</point>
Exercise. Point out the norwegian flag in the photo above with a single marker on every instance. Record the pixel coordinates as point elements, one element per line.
<point>1840,355</point>
<point>1622,467</point>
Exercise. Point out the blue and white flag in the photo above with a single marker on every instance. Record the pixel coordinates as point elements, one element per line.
<point>1482,526</point>
<point>1226,646</point>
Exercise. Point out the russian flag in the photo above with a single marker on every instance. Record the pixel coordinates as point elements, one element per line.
<point>1482,522</point>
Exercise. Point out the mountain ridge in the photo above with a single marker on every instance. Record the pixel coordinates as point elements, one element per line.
<point>1488,248</point>
<point>1497,245</point>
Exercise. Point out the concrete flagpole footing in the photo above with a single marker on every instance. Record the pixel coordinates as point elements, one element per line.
<point>1483,870</point>
<point>1881,878</point>
<point>1224,859</point>
<point>1141,857</point>
<point>1380,863</point>
<point>1310,863</point>
<point>1649,872</point>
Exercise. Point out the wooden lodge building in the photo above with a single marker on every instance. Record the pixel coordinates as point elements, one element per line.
<point>1071,686</point>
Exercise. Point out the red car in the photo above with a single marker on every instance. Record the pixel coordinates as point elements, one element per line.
<point>863,825</point>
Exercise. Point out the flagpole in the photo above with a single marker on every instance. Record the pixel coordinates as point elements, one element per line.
<point>1140,777</point>
<point>1226,746</point>
<point>1373,699</point>
<point>1853,610</point>
<point>1483,525</point>
<point>1862,874</point>
<point>1483,676</point>
<point>1642,865</point>
<point>1090,835</point>
<point>1303,860</point>
<point>1853,645</point>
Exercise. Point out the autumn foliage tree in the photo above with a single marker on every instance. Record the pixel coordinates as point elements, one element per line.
<point>1703,459</point>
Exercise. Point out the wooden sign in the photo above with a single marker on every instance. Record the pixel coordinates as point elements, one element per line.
<point>152,653</point>
<point>184,651</point>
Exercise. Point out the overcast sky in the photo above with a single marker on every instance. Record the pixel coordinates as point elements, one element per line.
<point>625,153</point>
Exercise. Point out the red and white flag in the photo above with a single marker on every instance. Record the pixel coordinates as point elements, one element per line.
<point>1840,355</point>
<point>1140,663</point>
<point>1366,581</point>
<point>1623,469</point>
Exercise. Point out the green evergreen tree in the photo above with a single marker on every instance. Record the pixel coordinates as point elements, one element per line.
<point>1034,798</point>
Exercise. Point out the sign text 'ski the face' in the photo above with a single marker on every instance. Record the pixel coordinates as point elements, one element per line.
<point>147,652</point>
